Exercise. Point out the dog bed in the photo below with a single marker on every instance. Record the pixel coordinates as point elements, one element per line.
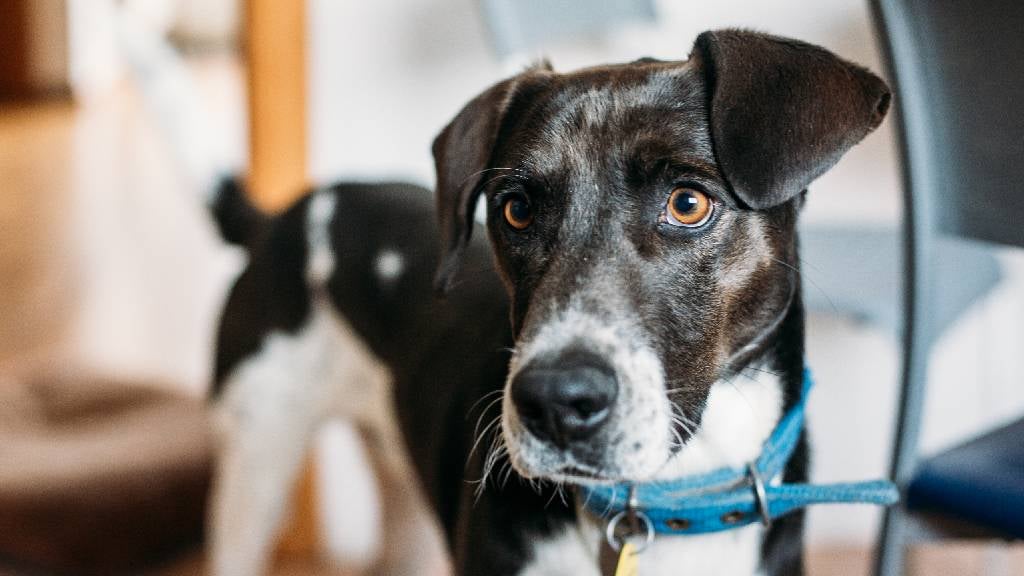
<point>99,476</point>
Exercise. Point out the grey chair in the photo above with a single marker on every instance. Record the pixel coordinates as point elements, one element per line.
<point>958,73</point>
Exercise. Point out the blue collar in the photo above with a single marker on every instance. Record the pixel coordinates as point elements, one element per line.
<point>731,497</point>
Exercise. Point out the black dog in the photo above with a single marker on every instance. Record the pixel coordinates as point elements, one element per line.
<point>642,217</point>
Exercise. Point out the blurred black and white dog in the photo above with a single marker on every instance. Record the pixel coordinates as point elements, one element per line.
<point>335,318</point>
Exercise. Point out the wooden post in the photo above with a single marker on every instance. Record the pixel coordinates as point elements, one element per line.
<point>275,41</point>
<point>276,63</point>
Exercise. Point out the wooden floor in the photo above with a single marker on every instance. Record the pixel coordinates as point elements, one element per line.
<point>956,558</point>
<point>37,285</point>
<point>66,169</point>
<point>106,258</point>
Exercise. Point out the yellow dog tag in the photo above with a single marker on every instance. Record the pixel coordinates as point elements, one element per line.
<point>626,564</point>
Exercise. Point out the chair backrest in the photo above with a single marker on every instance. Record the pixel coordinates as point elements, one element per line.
<point>960,70</point>
<point>959,78</point>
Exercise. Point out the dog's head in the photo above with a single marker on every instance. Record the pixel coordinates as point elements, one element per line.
<point>643,218</point>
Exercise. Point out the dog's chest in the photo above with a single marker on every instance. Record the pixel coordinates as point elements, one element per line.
<point>731,553</point>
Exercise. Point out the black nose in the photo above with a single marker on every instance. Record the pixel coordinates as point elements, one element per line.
<point>565,399</point>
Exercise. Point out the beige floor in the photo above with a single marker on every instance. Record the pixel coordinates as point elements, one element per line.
<point>105,262</point>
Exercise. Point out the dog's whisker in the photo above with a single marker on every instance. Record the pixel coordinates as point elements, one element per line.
<point>481,399</point>
<point>501,177</point>
<point>505,473</point>
<point>608,510</point>
<point>804,262</point>
<point>678,389</point>
<point>809,279</point>
<point>479,172</point>
<point>537,486</point>
<point>677,411</point>
<point>496,457</point>
<point>678,437</point>
<point>749,404</point>
<point>678,418</point>
<point>761,370</point>
<point>554,494</point>
<point>491,425</point>
<point>682,424</point>
<point>686,423</point>
<point>750,378</point>
<point>495,453</point>
<point>586,499</point>
<point>483,414</point>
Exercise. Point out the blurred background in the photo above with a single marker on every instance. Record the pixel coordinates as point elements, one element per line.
<point>110,268</point>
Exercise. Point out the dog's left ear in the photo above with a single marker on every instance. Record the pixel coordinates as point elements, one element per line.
<point>782,112</point>
<point>462,152</point>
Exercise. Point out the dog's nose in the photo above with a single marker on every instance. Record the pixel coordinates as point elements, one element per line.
<point>567,399</point>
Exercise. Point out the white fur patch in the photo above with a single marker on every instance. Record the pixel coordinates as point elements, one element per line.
<point>388,266</point>
<point>739,416</point>
<point>572,552</point>
<point>352,523</point>
<point>320,261</point>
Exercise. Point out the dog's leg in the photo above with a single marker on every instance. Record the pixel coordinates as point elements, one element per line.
<point>411,540</point>
<point>263,442</point>
<point>408,540</point>
<point>413,543</point>
<point>380,521</point>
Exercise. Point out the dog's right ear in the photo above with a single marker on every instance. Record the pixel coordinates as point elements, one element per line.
<point>462,152</point>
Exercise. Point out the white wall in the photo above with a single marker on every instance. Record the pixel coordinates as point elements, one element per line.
<point>387,75</point>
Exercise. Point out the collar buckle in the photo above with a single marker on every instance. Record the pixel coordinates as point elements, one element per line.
<point>760,496</point>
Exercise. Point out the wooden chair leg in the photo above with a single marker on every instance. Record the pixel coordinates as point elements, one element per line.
<point>301,536</point>
<point>275,50</point>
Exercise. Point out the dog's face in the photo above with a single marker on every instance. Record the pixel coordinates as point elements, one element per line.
<point>643,217</point>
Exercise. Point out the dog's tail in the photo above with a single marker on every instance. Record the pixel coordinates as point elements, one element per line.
<point>239,221</point>
<point>173,98</point>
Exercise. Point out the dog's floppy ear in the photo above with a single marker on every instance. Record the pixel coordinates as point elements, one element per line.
<point>782,112</point>
<point>462,152</point>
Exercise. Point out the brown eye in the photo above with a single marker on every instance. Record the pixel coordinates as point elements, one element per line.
<point>518,213</point>
<point>688,207</point>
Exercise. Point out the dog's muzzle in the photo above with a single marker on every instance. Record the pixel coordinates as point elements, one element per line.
<point>565,399</point>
